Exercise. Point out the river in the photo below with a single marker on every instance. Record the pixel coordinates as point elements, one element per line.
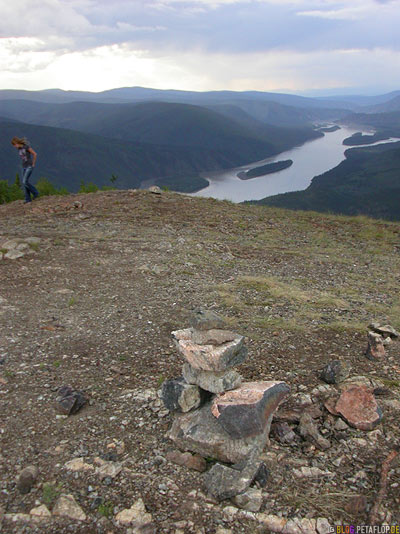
<point>309,160</point>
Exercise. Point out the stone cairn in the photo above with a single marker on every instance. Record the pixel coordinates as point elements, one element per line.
<point>218,415</point>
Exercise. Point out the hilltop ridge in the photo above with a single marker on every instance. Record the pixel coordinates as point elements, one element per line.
<point>92,305</point>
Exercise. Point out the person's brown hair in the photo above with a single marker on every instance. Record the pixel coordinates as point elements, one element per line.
<point>18,141</point>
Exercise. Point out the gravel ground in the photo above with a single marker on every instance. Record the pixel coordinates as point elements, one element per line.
<point>93,306</point>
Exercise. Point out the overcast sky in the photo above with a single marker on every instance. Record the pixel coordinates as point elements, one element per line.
<point>268,45</point>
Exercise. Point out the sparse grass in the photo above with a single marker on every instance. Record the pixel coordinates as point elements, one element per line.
<point>71,302</point>
<point>106,509</point>
<point>51,493</point>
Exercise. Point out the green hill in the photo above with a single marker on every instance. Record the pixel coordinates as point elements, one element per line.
<point>366,183</point>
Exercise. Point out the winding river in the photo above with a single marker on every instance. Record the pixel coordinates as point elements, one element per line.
<point>309,160</point>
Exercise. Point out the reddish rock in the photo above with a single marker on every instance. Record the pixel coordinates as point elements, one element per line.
<point>375,349</point>
<point>358,406</point>
<point>209,357</point>
<point>246,411</point>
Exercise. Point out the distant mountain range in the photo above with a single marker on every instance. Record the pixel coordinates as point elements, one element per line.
<point>169,137</point>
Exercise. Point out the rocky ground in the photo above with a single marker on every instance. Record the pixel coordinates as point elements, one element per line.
<point>88,298</point>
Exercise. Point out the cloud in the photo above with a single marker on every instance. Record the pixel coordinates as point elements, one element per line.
<point>199,42</point>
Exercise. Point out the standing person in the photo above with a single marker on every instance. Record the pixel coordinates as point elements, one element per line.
<point>28,157</point>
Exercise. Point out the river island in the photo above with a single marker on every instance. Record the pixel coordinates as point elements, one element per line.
<point>269,168</point>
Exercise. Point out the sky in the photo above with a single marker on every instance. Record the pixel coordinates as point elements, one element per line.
<point>297,46</point>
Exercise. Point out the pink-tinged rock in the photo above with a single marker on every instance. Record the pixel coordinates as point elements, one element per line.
<point>209,357</point>
<point>376,348</point>
<point>358,406</point>
<point>246,411</point>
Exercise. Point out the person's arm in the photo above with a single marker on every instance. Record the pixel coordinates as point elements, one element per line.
<point>34,155</point>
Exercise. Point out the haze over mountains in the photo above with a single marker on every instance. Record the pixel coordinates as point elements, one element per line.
<point>169,137</point>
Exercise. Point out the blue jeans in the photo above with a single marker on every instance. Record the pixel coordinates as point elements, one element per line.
<point>29,188</point>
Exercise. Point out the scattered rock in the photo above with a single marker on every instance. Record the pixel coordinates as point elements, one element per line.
<point>27,479</point>
<point>282,432</point>
<point>262,475</point>
<point>13,254</point>
<point>136,515</point>
<point>211,381</point>
<point>246,411</point>
<point>77,464</point>
<point>335,372</point>
<point>70,401</point>
<point>311,472</point>
<point>41,511</point>
<point>66,506</point>
<point>309,431</point>
<point>250,500</point>
<point>186,459</point>
<point>376,348</point>
<point>358,406</point>
<point>386,330</point>
<point>223,482</point>
<point>179,396</point>
<point>155,190</point>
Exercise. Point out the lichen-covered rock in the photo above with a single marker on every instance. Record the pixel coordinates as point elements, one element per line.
<point>335,372</point>
<point>245,412</point>
<point>199,431</point>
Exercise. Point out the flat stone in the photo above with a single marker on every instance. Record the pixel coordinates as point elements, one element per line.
<point>33,240</point>
<point>77,464</point>
<point>209,357</point>
<point>136,515</point>
<point>155,189</point>
<point>311,472</point>
<point>376,348</point>
<point>186,459</point>
<point>109,469</point>
<point>309,431</point>
<point>27,479</point>
<point>212,337</point>
<point>10,244</point>
<point>245,412</point>
<point>200,432</point>
<point>179,396</point>
<point>222,482</point>
<point>13,254</point>
<point>250,500</point>
<point>323,526</point>
<point>335,372</point>
<point>206,320</point>
<point>40,511</point>
<point>211,381</point>
<point>66,506</point>
<point>358,406</point>
<point>386,330</point>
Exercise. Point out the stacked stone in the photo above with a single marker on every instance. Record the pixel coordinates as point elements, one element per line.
<point>229,419</point>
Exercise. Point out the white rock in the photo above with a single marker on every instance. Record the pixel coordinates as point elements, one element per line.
<point>109,469</point>
<point>41,511</point>
<point>323,526</point>
<point>311,472</point>
<point>136,515</point>
<point>13,254</point>
<point>66,506</point>
<point>77,464</point>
